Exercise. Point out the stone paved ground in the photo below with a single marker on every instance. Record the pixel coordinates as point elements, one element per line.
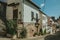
<point>23,39</point>
<point>56,36</point>
<point>35,38</point>
<point>32,38</point>
<point>5,39</point>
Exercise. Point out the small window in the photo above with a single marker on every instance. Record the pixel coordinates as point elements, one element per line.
<point>32,16</point>
<point>36,17</point>
<point>15,14</point>
<point>20,16</point>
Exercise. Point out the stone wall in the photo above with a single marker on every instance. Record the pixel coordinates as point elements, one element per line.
<point>31,29</point>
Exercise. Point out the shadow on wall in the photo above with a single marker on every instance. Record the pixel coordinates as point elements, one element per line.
<point>56,36</point>
<point>3,12</point>
<point>3,15</point>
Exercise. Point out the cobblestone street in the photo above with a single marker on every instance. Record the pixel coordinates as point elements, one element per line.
<point>32,38</point>
<point>55,36</point>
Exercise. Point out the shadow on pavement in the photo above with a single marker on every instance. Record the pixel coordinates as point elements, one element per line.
<point>56,36</point>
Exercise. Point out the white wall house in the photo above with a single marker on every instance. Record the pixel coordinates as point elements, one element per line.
<point>44,22</point>
<point>31,11</point>
<point>28,10</point>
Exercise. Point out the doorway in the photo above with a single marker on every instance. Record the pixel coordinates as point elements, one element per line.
<point>15,17</point>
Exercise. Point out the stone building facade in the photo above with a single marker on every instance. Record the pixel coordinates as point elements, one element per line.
<point>26,14</point>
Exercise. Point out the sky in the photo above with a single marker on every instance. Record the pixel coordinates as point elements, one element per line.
<point>52,7</point>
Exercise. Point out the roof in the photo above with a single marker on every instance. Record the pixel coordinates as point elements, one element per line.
<point>33,4</point>
<point>43,13</point>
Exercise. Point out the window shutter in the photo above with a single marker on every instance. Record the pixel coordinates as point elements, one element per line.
<point>32,16</point>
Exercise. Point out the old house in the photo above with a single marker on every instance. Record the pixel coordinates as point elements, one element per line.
<point>31,14</point>
<point>25,13</point>
<point>44,22</point>
<point>52,25</point>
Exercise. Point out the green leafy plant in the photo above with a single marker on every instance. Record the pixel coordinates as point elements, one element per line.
<point>45,31</point>
<point>10,27</point>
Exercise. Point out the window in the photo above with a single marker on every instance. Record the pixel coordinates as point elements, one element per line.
<point>36,17</point>
<point>20,15</point>
<point>15,14</point>
<point>32,16</point>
